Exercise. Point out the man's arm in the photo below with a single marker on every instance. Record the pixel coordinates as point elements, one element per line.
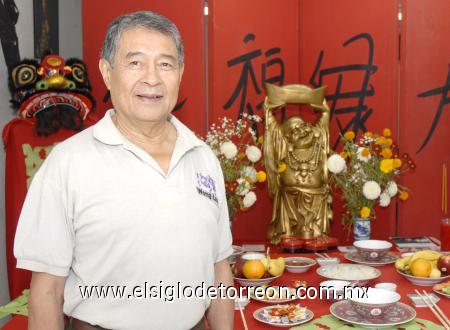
<point>45,304</point>
<point>221,311</point>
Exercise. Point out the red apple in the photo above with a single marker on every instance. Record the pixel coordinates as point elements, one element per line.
<point>444,265</point>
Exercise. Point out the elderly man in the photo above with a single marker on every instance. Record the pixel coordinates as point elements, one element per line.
<point>127,220</point>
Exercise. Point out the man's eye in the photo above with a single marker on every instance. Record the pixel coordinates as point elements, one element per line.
<point>134,63</point>
<point>166,65</point>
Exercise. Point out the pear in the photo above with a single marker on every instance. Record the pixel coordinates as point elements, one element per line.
<point>265,262</point>
<point>435,273</point>
<point>276,266</point>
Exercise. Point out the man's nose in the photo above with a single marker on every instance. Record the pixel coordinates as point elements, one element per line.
<point>151,75</point>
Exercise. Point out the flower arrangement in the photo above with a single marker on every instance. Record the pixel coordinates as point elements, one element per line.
<point>238,150</point>
<point>367,173</point>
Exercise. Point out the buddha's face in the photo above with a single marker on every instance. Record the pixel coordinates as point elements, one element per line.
<point>300,133</point>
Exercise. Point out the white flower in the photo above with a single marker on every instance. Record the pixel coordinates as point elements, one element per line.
<point>228,149</point>
<point>391,188</point>
<point>385,199</point>
<point>371,190</point>
<point>336,164</point>
<point>249,199</point>
<point>253,153</point>
<point>361,157</point>
<point>243,187</point>
<point>249,172</point>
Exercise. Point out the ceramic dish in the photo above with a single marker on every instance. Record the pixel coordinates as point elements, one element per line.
<point>423,281</point>
<point>255,282</point>
<point>359,259</point>
<point>273,295</point>
<point>298,264</point>
<point>261,315</point>
<point>374,303</point>
<point>372,249</point>
<point>399,314</point>
<point>358,274</point>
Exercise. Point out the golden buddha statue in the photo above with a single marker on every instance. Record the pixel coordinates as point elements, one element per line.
<point>295,155</point>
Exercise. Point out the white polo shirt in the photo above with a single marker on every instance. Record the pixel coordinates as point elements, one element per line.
<point>101,212</point>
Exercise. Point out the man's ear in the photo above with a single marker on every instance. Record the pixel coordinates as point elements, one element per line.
<point>105,70</point>
<point>181,71</point>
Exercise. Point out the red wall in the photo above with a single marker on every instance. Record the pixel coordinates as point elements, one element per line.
<point>301,29</point>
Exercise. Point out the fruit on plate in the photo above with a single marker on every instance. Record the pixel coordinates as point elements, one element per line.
<point>422,264</point>
<point>443,264</point>
<point>443,287</point>
<point>420,267</point>
<point>253,269</point>
<point>274,267</point>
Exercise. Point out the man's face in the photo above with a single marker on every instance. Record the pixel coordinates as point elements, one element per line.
<point>144,77</point>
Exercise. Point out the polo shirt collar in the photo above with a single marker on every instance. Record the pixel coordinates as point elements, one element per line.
<point>106,132</point>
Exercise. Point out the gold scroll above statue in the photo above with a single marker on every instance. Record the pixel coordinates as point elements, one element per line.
<point>296,153</point>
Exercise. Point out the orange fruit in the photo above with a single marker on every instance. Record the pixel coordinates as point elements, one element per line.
<point>253,269</point>
<point>420,267</point>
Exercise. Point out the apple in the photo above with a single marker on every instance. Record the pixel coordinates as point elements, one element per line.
<point>444,265</point>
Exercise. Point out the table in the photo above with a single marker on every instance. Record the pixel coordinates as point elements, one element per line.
<point>319,307</point>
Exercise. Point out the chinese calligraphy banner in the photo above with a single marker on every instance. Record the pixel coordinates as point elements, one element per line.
<point>352,47</point>
<point>250,42</point>
<point>97,15</point>
<point>424,111</point>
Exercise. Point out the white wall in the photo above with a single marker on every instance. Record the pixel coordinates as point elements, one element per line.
<point>70,46</point>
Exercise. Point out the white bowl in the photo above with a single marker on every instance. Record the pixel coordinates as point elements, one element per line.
<point>307,264</point>
<point>423,281</point>
<point>328,261</point>
<point>337,286</point>
<point>253,256</point>
<point>372,249</point>
<point>255,282</point>
<point>376,303</point>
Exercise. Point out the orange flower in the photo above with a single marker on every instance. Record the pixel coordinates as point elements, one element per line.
<point>282,167</point>
<point>397,162</point>
<point>365,212</point>
<point>403,195</point>
<point>241,155</point>
<point>344,154</point>
<point>261,139</point>
<point>387,132</point>
<point>248,179</point>
<point>261,176</point>
<point>365,152</point>
<point>349,135</point>
<point>386,153</point>
<point>368,134</point>
<point>387,165</point>
<point>388,142</point>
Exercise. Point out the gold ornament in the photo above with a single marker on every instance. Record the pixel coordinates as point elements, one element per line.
<point>301,194</point>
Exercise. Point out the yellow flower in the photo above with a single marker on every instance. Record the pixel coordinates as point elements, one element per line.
<point>387,165</point>
<point>387,132</point>
<point>349,135</point>
<point>248,179</point>
<point>397,162</point>
<point>403,195</point>
<point>365,212</point>
<point>380,140</point>
<point>344,154</point>
<point>365,152</point>
<point>386,153</point>
<point>388,142</point>
<point>241,155</point>
<point>368,134</point>
<point>282,167</point>
<point>261,139</point>
<point>261,176</point>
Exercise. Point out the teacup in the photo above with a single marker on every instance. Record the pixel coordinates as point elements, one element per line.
<point>377,302</point>
<point>372,249</point>
<point>386,286</point>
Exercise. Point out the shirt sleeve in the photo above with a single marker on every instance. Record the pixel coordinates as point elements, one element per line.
<point>44,238</point>
<point>224,226</point>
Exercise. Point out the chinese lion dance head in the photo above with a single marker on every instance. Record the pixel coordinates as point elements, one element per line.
<point>55,92</point>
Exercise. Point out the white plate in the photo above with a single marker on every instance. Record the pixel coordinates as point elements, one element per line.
<point>258,316</point>
<point>277,300</point>
<point>385,260</point>
<point>349,272</point>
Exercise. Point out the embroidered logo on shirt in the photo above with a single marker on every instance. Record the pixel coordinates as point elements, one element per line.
<point>206,186</point>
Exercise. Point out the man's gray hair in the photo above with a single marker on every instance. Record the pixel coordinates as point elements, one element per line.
<point>145,19</point>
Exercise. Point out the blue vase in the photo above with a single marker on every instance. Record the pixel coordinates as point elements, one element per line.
<point>361,229</point>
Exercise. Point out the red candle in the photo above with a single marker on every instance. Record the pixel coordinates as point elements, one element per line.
<point>445,234</point>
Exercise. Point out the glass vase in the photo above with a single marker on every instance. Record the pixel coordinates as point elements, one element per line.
<point>361,229</point>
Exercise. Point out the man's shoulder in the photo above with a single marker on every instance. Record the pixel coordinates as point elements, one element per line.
<point>77,143</point>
